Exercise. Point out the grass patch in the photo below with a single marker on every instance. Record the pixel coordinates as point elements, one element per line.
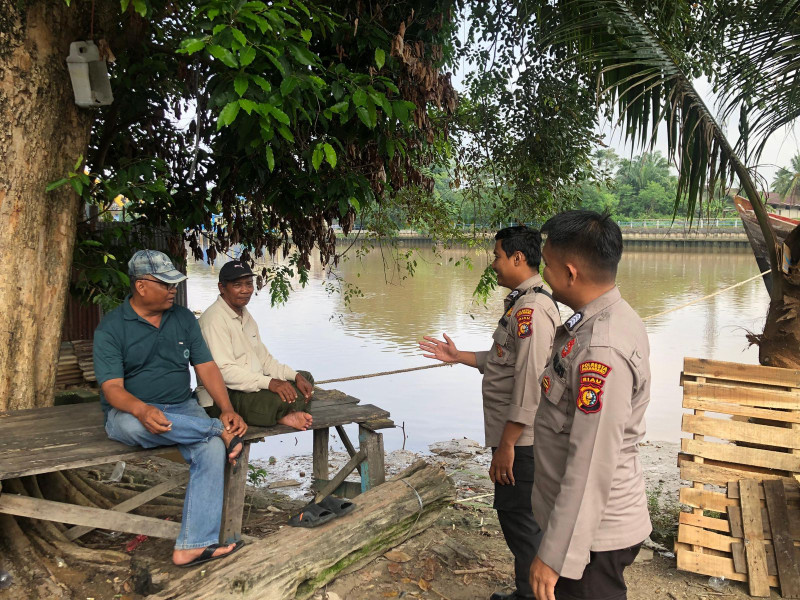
<point>664,513</point>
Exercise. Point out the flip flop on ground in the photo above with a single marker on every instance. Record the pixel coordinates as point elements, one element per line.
<point>338,506</point>
<point>208,554</point>
<point>312,515</point>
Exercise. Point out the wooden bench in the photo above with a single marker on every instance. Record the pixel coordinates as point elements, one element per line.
<point>57,438</point>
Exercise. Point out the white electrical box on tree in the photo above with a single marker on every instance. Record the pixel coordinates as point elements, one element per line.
<point>89,75</point>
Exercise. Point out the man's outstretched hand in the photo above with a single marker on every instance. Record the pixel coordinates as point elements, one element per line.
<point>304,386</point>
<point>444,351</point>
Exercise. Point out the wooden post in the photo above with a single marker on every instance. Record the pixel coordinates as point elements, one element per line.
<point>233,498</point>
<point>698,459</point>
<point>373,472</point>
<point>319,467</point>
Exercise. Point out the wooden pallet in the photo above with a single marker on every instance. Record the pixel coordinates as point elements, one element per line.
<point>744,422</point>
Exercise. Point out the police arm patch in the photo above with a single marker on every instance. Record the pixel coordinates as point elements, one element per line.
<point>524,318</point>
<point>589,398</point>
<point>592,366</point>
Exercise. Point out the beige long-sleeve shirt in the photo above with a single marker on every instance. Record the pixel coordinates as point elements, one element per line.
<point>511,369</point>
<point>236,346</point>
<point>588,493</point>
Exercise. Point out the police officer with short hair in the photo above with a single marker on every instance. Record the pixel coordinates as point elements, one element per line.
<point>589,493</point>
<point>511,370</point>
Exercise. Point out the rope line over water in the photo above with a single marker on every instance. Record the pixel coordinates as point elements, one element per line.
<point>647,318</point>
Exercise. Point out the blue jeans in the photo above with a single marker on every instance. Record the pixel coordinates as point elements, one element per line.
<point>197,438</point>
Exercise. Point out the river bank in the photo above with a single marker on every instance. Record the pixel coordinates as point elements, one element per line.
<point>463,556</point>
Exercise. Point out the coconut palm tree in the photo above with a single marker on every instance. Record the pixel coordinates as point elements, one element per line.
<point>645,76</point>
<point>787,181</point>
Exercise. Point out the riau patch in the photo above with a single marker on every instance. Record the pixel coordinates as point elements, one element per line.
<point>594,380</point>
<point>592,366</point>
<point>546,384</point>
<point>567,348</point>
<point>524,317</point>
<point>500,351</point>
<point>589,398</point>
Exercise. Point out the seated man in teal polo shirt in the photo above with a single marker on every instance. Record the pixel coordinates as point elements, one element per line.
<point>142,353</point>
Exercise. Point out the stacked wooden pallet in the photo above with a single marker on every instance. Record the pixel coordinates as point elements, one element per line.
<point>75,364</point>
<point>744,425</point>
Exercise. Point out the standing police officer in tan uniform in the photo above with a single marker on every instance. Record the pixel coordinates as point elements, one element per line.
<point>511,371</point>
<point>589,494</point>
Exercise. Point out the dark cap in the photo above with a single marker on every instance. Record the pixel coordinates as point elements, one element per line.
<point>234,270</point>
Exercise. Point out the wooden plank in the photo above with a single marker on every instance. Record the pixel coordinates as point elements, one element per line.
<point>706,564</point>
<point>233,499</point>
<point>784,416</point>
<point>786,555</point>
<point>753,529</point>
<point>373,472</point>
<point>135,502</point>
<point>735,519</point>
<point>756,457</point>
<point>740,561</point>
<point>36,508</point>
<point>734,393</point>
<point>740,431</point>
<point>701,537</point>
<point>717,369</point>
<point>706,499</point>
<point>319,464</point>
<point>715,474</point>
<point>341,475</point>
<point>348,445</point>
<point>713,523</point>
<point>790,491</point>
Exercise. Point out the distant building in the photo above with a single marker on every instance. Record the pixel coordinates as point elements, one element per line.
<point>785,207</point>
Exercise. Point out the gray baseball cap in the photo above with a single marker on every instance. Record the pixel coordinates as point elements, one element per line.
<point>155,263</point>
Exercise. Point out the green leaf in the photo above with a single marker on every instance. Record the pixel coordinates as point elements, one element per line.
<point>373,114</point>
<point>262,83</point>
<point>228,114</point>
<point>123,4</point>
<point>241,83</point>
<point>340,107</point>
<point>141,8</point>
<point>239,36</point>
<point>78,163</point>
<point>380,57</point>
<point>306,35</point>
<point>330,154</point>
<point>223,54</point>
<point>364,116</point>
<point>270,158</point>
<point>360,97</point>
<point>317,157</point>
<point>354,203</point>
<point>288,84</point>
<point>247,55</point>
<point>286,134</point>
<point>390,149</point>
<point>76,185</point>
<point>192,45</point>
<point>53,185</point>
<point>278,114</point>
<point>247,105</point>
<point>303,55</point>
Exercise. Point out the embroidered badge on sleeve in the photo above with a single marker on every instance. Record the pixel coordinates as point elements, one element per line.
<point>524,317</point>
<point>500,351</point>
<point>546,384</point>
<point>567,348</point>
<point>592,366</point>
<point>589,398</point>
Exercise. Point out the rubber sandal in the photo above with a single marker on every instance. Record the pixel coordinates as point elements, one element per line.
<point>338,506</point>
<point>312,515</point>
<point>231,445</point>
<point>208,554</point>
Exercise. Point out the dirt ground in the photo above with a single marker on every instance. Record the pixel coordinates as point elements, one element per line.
<point>461,557</point>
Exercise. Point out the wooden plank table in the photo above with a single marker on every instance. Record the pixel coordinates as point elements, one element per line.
<point>44,440</point>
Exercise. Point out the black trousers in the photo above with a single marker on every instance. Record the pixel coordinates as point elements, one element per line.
<point>602,578</point>
<point>513,505</point>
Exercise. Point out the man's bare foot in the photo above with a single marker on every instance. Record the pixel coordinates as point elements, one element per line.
<point>226,439</point>
<point>298,420</point>
<point>183,557</point>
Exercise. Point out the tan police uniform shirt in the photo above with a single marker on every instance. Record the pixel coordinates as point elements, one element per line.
<point>588,493</point>
<point>511,369</point>
<point>236,346</point>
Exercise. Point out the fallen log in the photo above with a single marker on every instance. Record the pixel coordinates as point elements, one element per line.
<point>294,562</point>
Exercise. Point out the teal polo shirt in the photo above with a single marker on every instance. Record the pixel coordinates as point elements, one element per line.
<point>152,361</point>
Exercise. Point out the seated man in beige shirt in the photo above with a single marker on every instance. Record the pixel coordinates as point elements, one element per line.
<point>262,390</point>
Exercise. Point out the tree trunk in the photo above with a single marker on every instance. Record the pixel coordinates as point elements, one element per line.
<point>42,135</point>
<point>292,563</point>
